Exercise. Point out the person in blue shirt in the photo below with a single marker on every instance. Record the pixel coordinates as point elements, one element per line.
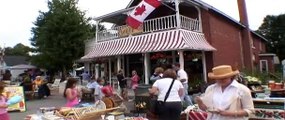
<point>85,76</point>
<point>158,72</point>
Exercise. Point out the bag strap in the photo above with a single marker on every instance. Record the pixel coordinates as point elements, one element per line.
<point>167,94</point>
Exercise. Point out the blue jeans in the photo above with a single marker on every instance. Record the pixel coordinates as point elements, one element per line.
<point>185,97</point>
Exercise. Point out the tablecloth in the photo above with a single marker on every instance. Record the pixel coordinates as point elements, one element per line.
<point>195,115</point>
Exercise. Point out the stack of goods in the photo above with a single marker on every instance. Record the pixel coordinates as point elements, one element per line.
<point>113,101</point>
<point>254,83</point>
<point>84,113</point>
<point>274,85</point>
<point>269,114</point>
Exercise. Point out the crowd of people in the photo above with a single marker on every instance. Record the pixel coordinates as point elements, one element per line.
<point>226,99</point>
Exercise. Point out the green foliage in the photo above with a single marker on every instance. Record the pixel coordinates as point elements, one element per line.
<point>59,35</point>
<point>273,29</point>
<point>264,77</point>
<point>18,50</point>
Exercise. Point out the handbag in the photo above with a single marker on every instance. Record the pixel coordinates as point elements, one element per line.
<point>156,105</point>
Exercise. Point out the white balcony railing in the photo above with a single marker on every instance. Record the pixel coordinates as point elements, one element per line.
<point>161,23</point>
<point>151,25</point>
<point>189,23</point>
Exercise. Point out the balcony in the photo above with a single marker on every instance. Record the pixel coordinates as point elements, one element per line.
<point>151,25</point>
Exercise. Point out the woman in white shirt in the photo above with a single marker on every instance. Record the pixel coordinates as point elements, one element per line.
<point>226,99</point>
<point>172,107</point>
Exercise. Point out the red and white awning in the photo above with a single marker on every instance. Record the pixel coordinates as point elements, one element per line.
<point>153,42</point>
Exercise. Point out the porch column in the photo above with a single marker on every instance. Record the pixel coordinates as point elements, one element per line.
<point>204,66</point>
<point>119,66</point>
<point>181,59</point>
<point>177,14</point>
<point>199,19</point>
<point>123,64</point>
<point>110,71</point>
<point>97,70</point>
<point>97,30</point>
<point>146,68</point>
<point>86,66</point>
<point>173,57</point>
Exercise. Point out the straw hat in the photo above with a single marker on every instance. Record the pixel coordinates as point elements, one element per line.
<point>222,71</point>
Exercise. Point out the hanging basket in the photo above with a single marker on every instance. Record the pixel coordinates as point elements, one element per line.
<point>157,56</point>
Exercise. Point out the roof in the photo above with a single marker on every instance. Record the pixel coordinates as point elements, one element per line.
<point>15,60</point>
<point>117,17</point>
<point>260,36</point>
<point>207,6</point>
<point>22,66</point>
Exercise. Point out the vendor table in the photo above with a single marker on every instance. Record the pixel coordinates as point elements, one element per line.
<point>269,103</point>
<point>278,92</point>
<point>269,108</point>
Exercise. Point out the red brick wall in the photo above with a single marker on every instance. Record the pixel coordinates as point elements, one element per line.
<point>225,36</point>
<point>259,44</point>
<point>259,47</point>
<point>206,30</point>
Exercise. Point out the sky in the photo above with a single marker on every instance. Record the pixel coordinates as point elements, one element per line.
<point>17,16</point>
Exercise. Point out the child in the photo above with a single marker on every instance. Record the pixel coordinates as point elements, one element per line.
<point>3,106</point>
<point>71,93</point>
<point>98,93</point>
<point>135,80</point>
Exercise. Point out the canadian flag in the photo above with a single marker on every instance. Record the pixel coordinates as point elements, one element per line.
<point>143,9</point>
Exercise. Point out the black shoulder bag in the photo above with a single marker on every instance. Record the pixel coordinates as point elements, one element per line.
<point>156,105</point>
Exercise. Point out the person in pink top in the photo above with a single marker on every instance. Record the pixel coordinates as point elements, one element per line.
<point>135,80</point>
<point>3,105</point>
<point>71,93</point>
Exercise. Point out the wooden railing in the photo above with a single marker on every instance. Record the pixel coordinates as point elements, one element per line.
<point>152,25</point>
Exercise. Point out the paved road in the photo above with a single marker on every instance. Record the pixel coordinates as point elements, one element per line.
<point>55,100</point>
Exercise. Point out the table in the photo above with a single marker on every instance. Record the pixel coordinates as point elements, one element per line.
<point>278,92</point>
<point>269,108</point>
<point>269,103</point>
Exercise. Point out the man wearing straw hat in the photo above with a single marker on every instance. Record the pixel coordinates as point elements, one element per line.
<point>226,99</point>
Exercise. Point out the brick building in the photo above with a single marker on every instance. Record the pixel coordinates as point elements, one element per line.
<point>189,32</point>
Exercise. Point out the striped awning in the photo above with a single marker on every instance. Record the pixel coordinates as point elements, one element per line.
<point>153,42</point>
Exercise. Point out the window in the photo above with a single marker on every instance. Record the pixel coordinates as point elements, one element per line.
<point>263,65</point>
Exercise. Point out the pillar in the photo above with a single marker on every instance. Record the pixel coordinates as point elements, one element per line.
<point>110,70</point>
<point>181,59</point>
<point>204,66</point>
<point>146,67</point>
<point>119,63</point>
<point>97,70</point>
<point>173,57</point>
<point>178,20</point>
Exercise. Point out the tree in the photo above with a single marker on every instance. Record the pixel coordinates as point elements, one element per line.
<point>59,35</point>
<point>273,29</point>
<point>18,50</point>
